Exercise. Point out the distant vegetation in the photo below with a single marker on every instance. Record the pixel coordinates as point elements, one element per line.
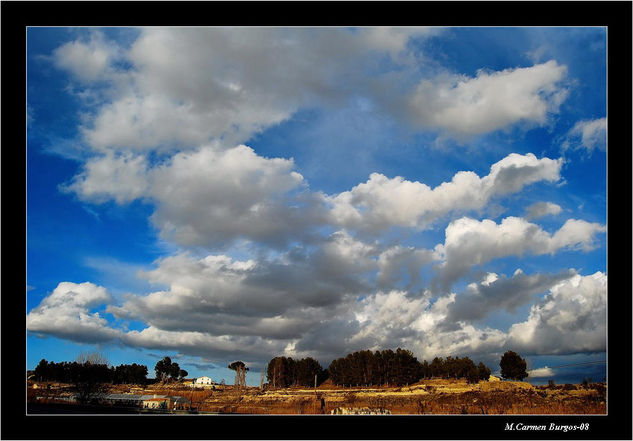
<point>285,372</point>
<point>74,372</point>
<point>360,368</point>
<point>400,367</point>
<point>165,369</point>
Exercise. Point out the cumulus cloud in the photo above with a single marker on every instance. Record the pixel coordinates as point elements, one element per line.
<point>210,311</point>
<point>397,263</point>
<point>471,242</point>
<point>540,209</point>
<point>252,350</point>
<point>464,106</point>
<point>308,282</point>
<point>587,134</point>
<point>394,40</point>
<point>212,197</point>
<point>497,293</point>
<point>65,313</point>
<point>188,86</point>
<point>382,202</point>
<point>274,298</point>
<point>121,177</point>
<point>88,60</point>
<point>392,319</point>
<point>183,87</point>
<point>570,319</point>
<point>209,196</point>
<point>575,304</point>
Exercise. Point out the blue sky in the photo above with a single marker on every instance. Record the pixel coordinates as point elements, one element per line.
<point>216,194</point>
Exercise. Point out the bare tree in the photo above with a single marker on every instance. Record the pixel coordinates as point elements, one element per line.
<point>262,374</point>
<point>94,357</point>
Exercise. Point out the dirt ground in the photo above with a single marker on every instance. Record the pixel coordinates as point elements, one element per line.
<point>434,396</point>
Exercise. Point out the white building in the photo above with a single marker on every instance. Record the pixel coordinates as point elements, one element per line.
<point>203,380</point>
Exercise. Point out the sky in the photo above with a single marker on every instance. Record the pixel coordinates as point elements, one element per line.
<point>224,193</point>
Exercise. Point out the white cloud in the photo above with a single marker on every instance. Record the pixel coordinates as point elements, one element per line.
<point>540,209</point>
<point>399,319</point>
<point>209,196</point>
<point>86,60</point>
<point>395,311</point>
<point>121,177</point>
<point>228,348</point>
<point>189,86</point>
<point>496,293</point>
<point>183,87</point>
<point>392,319</point>
<point>588,134</point>
<point>541,372</point>
<point>381,202</point>
<point>169,134</point>
<point>471,242</point>
<point>464,106</point>
<point>215,309</point>
<point>570,319</point>
<point>394,39</point>
<point>65,313</point>
<point>576,234</point>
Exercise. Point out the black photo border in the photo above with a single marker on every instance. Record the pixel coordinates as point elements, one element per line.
<point>17,16</point>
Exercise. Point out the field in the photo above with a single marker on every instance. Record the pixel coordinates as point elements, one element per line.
<point>434,396</point>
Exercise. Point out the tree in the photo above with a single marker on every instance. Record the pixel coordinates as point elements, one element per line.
<point>240,372</point>
<point>472,374</point>
<point>436,367</point>
<point>89,376</point>
<point>484,371</point>
<point>513,367</point>
<point>281,372</point>
<point>174,371</point>
<point>305,371</point>
<point>165,368</point>
<point>42,371</point>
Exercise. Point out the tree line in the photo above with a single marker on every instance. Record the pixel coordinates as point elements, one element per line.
<point>77,372</point>
<point>369,368</point>
<point>400,367</point>
<point>386,367</point>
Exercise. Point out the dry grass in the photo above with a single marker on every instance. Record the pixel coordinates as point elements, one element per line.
<point>436,396</point>
<point>430,397</point>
